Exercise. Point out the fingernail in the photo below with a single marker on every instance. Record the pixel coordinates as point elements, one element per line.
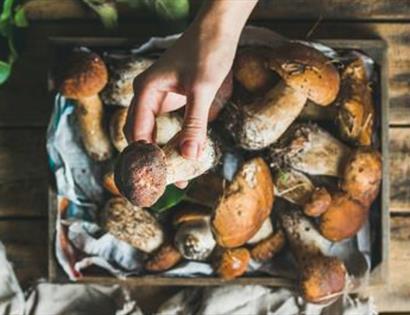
<point>190,149</point>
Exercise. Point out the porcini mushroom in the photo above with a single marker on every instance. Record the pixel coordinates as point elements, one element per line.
<point>322,278</point>
<point>194,238</point>
<point>232,263</point>
<point>306,74</point>
<point>264,231</point>
<point>311,150</point>
<point>293,186</point>
<point>166,126</point>
<point>319,202</point>
<point>356,109</point>
<point>84,76</point>
<point>166,257</point>
<point>245,204</point>
<point>131,224</point>
<point>144,169</point>
<point>269,247</point>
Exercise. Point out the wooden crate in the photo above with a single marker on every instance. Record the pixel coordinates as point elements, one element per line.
<point>377,50</point>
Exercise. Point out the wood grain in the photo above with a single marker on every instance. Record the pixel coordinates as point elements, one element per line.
<point>26,248</point>
<point>266,9</point>
<point>400,169</point>
<point>395,296</point>
<point>23,173</point>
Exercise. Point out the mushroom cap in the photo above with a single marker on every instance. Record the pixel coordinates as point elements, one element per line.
<point>233,263</point>
<point>323,279</point>
<point>318,203</point>
<point>343,218</point>
<point>244,205</point>
<point>362,175</point>
<point>269,247</point>
<point>166,257</point>
<point>140,173</point>
<point>307,70</point>
<point>85,75</point>
<point>131,224</point>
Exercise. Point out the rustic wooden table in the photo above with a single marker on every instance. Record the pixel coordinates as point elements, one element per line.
<point>25,108</point>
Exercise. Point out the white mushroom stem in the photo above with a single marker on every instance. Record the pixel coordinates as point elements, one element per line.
<point>181,169</point>
<point>265,230</point>
<point>267,119</point>
<point>194,239</point>
<point>90,112</point>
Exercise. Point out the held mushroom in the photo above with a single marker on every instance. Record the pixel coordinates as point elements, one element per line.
<point>166,257</point>
<point>232,263</point>
<point>245,204</point>
<point>144,169</point>
<point>194,238</point>
<point>166,126</point>
<point>356,109</point>
<point>306,74</point>
<point>84,76</point>
<point>131,224</point>
<point>322,278</point>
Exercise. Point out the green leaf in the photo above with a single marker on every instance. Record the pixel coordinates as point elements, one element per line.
<point>5,70</point>
<point>171,9</point>
<point>6,18</point>
<point>20,19</point>
<point>171,197</point>
<point>106,10</point>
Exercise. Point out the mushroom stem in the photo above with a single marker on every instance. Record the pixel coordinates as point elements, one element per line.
<point>322,277</point>
<point>89,113</point>
<point>264,121</point>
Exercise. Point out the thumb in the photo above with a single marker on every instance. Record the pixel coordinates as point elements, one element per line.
<point>193,134</point>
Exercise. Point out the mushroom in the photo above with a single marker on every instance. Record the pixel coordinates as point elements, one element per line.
<point>166,126</point>
<point>119,90</point>
<point>293,186</point>
<point>318,203</point>
<point>265,230</point>
<point>362,175</point>
<point>306,74</point>
<point>193,237</point>
<point>109,183</point>
<point>269,247</point>
<point>131,224</point>
<point>232,263</point>
<point>322,278</point>
<point>84,76</point>
<point>356,109</point>
<point>166,257</point>
<point>245,204</point>
<point>343,218</point>
<point>144,169</point>
<point>311,150</point>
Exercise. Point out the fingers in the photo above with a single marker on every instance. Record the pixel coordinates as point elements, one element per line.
<point>193,133</point>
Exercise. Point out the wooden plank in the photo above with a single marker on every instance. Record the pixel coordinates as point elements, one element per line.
<point>400,169</point>
<point>266,9</point>
<point>395,296</point>
<point>26,248</point>
<point>23,173</point>
<point>19,108</point>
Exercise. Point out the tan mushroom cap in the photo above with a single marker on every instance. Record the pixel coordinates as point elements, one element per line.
<point>233,263</point>
<point>308,70</point>
<point>140,173</point>
<point>85,75</point>
<point>244,205</point>
<point>343,219</point>
<point>166,257</point>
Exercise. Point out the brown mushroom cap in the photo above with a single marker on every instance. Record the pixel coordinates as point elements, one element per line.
<point>166,257</point>
<point>343,218</point>
<point>318,203</point>
<point>323,278</point>
<point>269,247</point>
<point>233,263</point>
<point>363,175</point>
<point>307,70</point>
<point>84,75</point>
<point>140,173</point>
<point>245,204</point>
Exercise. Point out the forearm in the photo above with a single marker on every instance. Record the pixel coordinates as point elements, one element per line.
<point>225,16</point>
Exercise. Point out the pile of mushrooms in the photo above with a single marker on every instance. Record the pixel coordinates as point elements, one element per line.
<point>276,199</point>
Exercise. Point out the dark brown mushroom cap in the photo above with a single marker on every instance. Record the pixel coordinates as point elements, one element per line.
<point>85,74</point>
<point>307,70</point>
<point>140,173</point>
